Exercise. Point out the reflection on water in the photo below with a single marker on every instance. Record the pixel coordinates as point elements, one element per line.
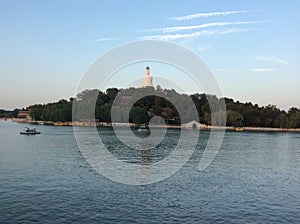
<point>255,178</point>
<point>125,153</point>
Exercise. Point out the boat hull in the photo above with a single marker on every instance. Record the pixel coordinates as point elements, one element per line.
<point>29,133</point>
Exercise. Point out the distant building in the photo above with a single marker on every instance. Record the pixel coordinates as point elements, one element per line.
<point>24,115</point>
<point>147,79</point>
<point>193,125</point>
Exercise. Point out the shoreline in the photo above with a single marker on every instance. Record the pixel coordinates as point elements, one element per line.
<point>104,124</point>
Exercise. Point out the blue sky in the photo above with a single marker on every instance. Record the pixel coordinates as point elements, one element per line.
<point>252,47</point>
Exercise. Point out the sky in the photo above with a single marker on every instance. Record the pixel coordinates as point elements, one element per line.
<point>252,47</point>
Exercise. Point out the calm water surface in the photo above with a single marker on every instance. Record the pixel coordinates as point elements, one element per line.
<point>255,178</point>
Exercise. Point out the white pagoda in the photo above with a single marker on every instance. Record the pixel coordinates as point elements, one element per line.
<point>147,79</point>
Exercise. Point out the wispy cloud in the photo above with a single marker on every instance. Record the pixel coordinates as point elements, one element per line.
<point>205,25</point>
<point>244,70</point>
<point>272,59</point>
<point>106,39</point>
<point>264,70</point>
<point>206,14</point>
<point>225,70</point>
<point>168,37</point>
<point>203,47</point>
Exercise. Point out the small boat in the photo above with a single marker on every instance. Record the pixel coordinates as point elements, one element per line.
<point>143,128</point>
<point>58,123</point>
<point>28,131</point>
<point>239,129</point>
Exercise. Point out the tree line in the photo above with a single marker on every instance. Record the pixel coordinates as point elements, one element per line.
<point>238,114</point>
<point>8,113</point>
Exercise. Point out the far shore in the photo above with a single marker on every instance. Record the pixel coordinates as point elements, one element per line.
<point>105,124</point>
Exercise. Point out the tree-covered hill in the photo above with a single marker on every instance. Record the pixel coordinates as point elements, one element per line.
<point>238,114</point>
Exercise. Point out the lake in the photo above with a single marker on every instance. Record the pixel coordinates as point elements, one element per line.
<point>255,178</point>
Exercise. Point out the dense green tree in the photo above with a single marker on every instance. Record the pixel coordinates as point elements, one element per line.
<point>9,113</point>
<point>281,121</point>
<point>111,94</point>
<point>207,118</point>
<point>104,112</point>
<point>293,118</point>
<point>36,111</point>
<point>234,119</point>
<point>138,115</point>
